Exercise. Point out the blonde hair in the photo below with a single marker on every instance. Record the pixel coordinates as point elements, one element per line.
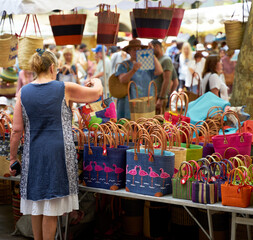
<point>187,45</point>
<point>41,62</point>
<point>67,50</point>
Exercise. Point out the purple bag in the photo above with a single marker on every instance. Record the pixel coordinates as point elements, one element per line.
<point>204,190</point>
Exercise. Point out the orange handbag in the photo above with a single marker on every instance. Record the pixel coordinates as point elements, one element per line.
<point>234,194</point>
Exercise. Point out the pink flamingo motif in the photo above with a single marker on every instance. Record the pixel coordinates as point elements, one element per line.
<point>164,175</point>
<point>118,171</point>
<point>127,169</point>
<point>142,173</point>
<point>97,168</point>
<point>107,170</point>
<point>133,172</point>
<point>152,174</point>
<point>88,168</point>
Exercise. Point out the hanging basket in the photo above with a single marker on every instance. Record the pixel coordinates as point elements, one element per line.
<point>234,33</point>
<point>152,22</point>
<point>108,26</point>
<point>8,45</point>
<point>134,32</point>
<point>68,28</point>
<point>177,17</point>
<point>27,45</point>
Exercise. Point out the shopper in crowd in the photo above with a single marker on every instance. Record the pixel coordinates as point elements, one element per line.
<point>184,59</point>
<point>68,70</point>
<point>24,77</point>
<point>196,68</point>
<point>175,60</point>
<point>118,57</point>
<point>172,50</point>
<point>215,48</point>
<point>228,69</point>
<point>52,48</point>
<point>163,81</point>
<point>211,78</point>
<point>49,177</point>
<point>99,73</point>
<point>130,71</point>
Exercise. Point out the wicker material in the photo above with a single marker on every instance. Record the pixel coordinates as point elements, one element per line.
<point>8,49</point>
<point>5,192</point>
<point>234,33</point>
<point>5,164</point>
<point>27,47</point>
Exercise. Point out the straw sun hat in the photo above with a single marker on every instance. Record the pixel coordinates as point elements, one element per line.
<point>133,43</point>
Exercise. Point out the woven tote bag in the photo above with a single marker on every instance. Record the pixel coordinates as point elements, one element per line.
<point>27,45</point>
<point>143,106</point>
<point>108,25</point>
<point>68,28</point>
<point>152,22</point>
<point>8,44</point>
<point>177,17</point>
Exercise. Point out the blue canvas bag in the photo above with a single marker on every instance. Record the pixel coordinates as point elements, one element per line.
<point>148,170</point>
<point>104,165</point>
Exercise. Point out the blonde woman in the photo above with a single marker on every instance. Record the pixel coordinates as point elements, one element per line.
<point>184,59</point>
<point>68,70</point>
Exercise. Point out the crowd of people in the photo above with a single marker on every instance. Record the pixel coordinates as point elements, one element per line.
<point>180,67</point>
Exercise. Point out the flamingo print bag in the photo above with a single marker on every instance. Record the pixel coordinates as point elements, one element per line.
<point>104,161</point>
<point>148,170</point>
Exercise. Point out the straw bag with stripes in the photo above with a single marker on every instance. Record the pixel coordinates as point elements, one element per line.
<point>8,44</point>
<point>108,25</point>
<point>28,44</point>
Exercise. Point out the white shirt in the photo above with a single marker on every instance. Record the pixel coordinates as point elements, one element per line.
<point>198,68</point>
<point>215,81</point>
<point>183,68</point>
<point>116,58</point>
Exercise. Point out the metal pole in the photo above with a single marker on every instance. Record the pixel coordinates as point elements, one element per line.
<point>104,67</point>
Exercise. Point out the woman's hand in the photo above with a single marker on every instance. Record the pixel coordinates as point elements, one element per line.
<point>13,172</point>
<point>136,66</point>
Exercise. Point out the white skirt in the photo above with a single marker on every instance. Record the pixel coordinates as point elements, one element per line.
<point>51,207</point>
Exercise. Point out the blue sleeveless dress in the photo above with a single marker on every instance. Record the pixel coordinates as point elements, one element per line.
<point>49,179</point>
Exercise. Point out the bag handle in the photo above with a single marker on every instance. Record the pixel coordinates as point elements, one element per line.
<point>237,160</point>
<point>202,130</point>
<point>234,172</point>
<point>148,143</point>
<point>195,167</point>
<point>246,173</point>
<point>211,114</point>
<point>128,87</point>
<point>35,22</point>
<point>230,148</point>
<point>203,161</point>
<point>200,176</point>
<point>188,168</point>
<point>230,164</point>
<point>213,173</point>
<point>149,88</point>
<point>198,79</point>
<point>95,135</point>
<point>186,138</point>
<point>251,172</point>
<point>218,156</point>
<point>186,101</point>
<point>245,158</point>
<point>239,125</point>
<point>178,97</point>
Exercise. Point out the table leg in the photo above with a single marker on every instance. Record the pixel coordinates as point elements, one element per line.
<point>248,229</point>
<point>204,231</point>
<point>210,223</point>
<point>66,226</point>
<point>233,226</point>
<point>59,227</point>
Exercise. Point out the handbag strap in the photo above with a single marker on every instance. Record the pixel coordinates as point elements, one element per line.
<point>234,172</point>
<point>218,156</point>
<point>246,173</point>
<point>236,160</point>
<point>245,158</point>
<point>198,79</point>
<point>149,88</point>
<point>128,87</point>
<point>213,166</point>
<point>177,97</point>
<point>186,101</point>
<point>203,162</point>
<point>239,125</point>
<point>189,170</point>
<point>148,143</point>
<point>195,167</point>
<point>186,138</point>
<point>25,25</point>
<point>230,148</point>
<point>200,176</point>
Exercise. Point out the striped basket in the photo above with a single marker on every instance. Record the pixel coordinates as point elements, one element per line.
<point>177,17</point>
<point>8,89</point>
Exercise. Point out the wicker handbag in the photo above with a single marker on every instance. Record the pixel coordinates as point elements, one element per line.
<point>8,45</point>
<point>116,88</point>
<point>108,26</point>
<point>28,44</point>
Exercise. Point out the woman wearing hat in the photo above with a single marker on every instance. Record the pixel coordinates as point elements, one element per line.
<point>130,71</point>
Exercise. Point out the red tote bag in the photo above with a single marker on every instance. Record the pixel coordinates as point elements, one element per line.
<point>177,17</point>
<point>240,141</point>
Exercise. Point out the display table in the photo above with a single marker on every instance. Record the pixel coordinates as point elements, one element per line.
<point>211,208</point>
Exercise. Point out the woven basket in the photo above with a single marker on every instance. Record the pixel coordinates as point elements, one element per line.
<point>234,33</point>
<point>179,216</point>
<point>5,164</point>
<point>8,49</point>
<point>8,89</point>
<point>27,47</point>
<point>5,192</point>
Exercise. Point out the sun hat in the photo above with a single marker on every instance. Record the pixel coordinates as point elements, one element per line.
<point>3,101</point>
<point>9,75</point>
<point>98,49</point>
<point>200,47</point>
<point>133,43</point>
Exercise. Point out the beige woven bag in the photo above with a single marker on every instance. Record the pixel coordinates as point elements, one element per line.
<point>27,45</point>
<point>8,45</point>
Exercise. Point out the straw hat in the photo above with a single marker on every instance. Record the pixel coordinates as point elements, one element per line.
<point>133,43</point>
<point>9,75</point>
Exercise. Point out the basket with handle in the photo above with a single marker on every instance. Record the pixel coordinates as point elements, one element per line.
<point>152,22</point>
<point>68,28</point>
<point>177,17</point>
<point>27,45</point>
<point>8,44</point>
<point>108,25</point>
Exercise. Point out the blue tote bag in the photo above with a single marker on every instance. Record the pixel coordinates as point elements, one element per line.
<point>148,170</point>
<point>104,165</point>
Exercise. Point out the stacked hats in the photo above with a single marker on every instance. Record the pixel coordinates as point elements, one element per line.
<point>9,75</point>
